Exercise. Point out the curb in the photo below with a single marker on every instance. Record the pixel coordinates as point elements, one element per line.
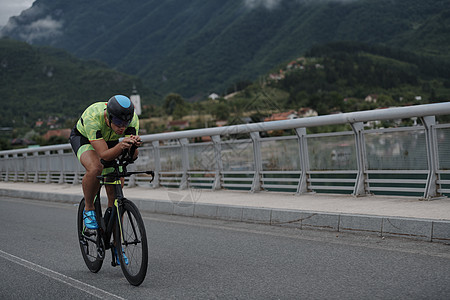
<point>414,228</point>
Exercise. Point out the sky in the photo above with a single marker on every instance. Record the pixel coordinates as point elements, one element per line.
<point>9,8</point>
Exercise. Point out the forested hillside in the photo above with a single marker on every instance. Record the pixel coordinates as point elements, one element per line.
<point>197,47</point>
<point>38,82</point>
<point>339,76</point>
<point>43,83</point>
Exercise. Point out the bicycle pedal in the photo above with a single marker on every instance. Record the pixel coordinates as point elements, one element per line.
<point>100,254</point>
<point>90,232</point>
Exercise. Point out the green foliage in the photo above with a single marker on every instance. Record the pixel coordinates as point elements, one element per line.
<point>5,143</point>
<point>175,105</point>
<point>220,111</point>
<point>337,78</point>
<point>352,71</point>
<point>38,82</point>
<point>195,47</point>
<point>42,82</point>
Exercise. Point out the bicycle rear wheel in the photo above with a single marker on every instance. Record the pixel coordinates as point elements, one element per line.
<point>134,244</point>
<point>88,243</point>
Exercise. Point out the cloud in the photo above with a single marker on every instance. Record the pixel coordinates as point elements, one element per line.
<point>33,24</point>
<point>271,4</point>
<point>41,29</point>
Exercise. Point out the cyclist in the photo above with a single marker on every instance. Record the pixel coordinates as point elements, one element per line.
<point>96,136</point>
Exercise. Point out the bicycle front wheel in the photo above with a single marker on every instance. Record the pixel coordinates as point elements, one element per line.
<point>133,255</point>
<point>88,240</point>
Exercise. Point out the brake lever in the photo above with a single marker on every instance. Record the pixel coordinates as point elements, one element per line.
<point>131,152</point>
<point>127,155</point>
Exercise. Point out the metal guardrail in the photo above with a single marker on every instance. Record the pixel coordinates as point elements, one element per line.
<point>406,160</point>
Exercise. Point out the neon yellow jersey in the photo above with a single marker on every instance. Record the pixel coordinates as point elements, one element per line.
<point>93,126</point>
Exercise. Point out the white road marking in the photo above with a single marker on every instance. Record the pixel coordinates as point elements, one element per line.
<point>87,288</point>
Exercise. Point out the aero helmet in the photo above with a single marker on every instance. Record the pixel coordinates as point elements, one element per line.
<point>120,110</point>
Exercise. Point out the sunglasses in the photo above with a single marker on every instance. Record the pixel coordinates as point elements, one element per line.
<point>118,122</point>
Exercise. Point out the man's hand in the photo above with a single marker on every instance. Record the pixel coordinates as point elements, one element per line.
<point>136,140</point>
<point>130,141</point>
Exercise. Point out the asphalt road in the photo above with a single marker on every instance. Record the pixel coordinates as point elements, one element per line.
<point>206,259</point>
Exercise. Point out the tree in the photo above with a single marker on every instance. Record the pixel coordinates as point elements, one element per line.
<point>173,102</point>
<point>221,111</point>
<point>180,111</point>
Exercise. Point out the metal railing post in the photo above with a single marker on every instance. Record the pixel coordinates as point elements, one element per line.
<point>256,185</point>
<point>6,158</point>
<point>21,167</point>
<point>157,157</point>
<point>25,175</point>
<point>2,168</point>
<point>304,160</point>
<point>48,178</point>
<point>361,161</point>
<point>431,188</point>
<point>16,167</point>
<point>184,163</point>
<point>36,164</point>
<point>219,164</point>
<point>61,159</point>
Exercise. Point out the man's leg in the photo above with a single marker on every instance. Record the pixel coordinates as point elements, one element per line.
<point>91,162</point>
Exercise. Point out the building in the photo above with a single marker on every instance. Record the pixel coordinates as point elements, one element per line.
<point>65,133</point>
<point>180,124</point>
<point>289,115</point>
<point>371,98</point>
<point>221,123</point>
<point>213,96</point>
<point>136,99</point>
<point>307,112</point>
<point>22,142</point>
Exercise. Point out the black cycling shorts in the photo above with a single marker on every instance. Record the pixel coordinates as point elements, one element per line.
<point>80,143</point>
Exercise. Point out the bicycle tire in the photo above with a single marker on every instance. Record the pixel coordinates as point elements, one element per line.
<point>87,241</point>
<point>134,243</point>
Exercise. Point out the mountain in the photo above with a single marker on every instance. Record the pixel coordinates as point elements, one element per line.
<point>339,76</point>
<point>38,82</point>
<point>197,47</point>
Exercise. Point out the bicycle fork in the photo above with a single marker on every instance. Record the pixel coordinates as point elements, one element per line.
<point>115,217</point>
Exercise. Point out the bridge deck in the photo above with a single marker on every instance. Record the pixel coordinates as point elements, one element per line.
<point>382,215</point>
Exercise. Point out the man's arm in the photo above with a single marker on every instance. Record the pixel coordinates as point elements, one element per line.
<point>102,150</point>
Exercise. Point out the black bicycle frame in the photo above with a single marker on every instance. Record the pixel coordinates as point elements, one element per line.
<point>105,229</point>
<point>113,178</point>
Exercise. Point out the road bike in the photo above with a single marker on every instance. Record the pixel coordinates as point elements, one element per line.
<point>123,222</point>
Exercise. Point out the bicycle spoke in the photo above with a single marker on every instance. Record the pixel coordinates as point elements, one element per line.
<point>134,244</point>
<point>132,224</point>
<point>131,243</point>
